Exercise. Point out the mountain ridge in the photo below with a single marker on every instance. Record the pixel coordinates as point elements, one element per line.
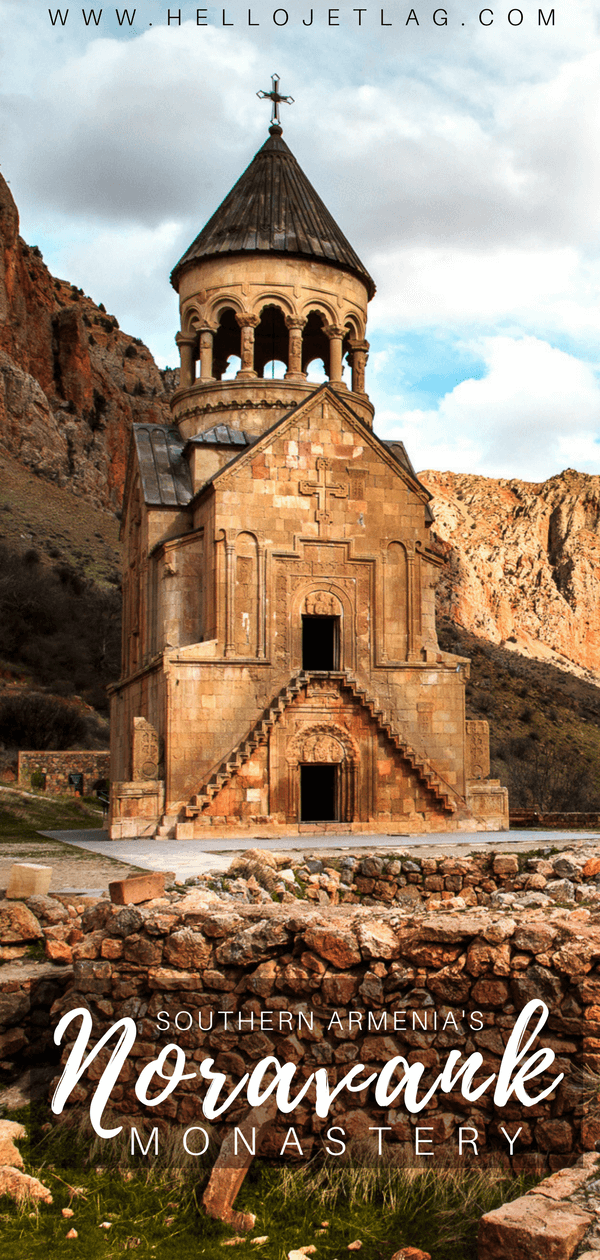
<point>71,382</point>
<point>522,563</point>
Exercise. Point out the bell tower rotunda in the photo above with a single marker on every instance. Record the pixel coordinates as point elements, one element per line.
<point>270,287</point>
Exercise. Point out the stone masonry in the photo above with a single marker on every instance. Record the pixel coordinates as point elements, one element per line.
<point>332,984</point>
<point>280,655</point>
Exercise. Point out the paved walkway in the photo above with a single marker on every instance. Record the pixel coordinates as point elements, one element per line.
<point>183,858</point>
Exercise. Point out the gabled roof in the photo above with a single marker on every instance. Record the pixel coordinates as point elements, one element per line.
<point>402,465</point>
<point>274,209</point>
<point>164,473</point>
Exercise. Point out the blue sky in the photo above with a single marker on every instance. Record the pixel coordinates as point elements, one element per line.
<point>462,161</point>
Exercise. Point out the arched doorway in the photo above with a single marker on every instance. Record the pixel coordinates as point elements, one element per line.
<point>321,631</point>
<point>322,775</point>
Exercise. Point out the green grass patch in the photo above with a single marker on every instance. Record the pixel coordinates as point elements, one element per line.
<point>24,814</point>
<point>154,1208</point>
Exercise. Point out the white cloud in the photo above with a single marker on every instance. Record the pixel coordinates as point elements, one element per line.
<point>149,306</point>
<point>464,168</point>
<point>458,287</point>
<point>536,407</point>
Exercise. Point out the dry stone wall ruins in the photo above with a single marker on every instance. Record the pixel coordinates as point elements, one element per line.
<point>320,984</point>
<point>329,975</point>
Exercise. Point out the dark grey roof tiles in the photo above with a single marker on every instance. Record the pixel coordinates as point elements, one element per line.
<point>224,435</point>
<point>400,453</point>
<point>165,474</point>
<point>274,209</point>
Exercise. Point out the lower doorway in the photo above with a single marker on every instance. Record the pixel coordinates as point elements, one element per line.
<point>319,793</point>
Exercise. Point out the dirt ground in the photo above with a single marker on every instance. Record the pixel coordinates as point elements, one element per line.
<point>73,870</point>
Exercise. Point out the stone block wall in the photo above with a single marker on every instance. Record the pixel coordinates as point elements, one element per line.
<point>57,766</point>
<point>324,988</point>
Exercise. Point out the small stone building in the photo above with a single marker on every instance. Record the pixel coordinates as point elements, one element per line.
<point>280,660</point>
<point>68,773</point>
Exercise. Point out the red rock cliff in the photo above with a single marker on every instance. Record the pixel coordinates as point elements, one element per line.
<point>523,562</point>
<point>71,383</point>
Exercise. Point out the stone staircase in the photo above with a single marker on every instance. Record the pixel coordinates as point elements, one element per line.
<point>420,764</point>
<point>243,751</point>
<point>259,734</point>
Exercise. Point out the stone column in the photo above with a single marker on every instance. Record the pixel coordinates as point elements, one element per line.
<point>410,600</point>
<point>295,326</point>
<point>336,335</point>
<point>247,324</point>
<point>359,353</point>
<point>186,344</point>
<point>206,355</point>
<point>229,597</point>
<point>262,603</point>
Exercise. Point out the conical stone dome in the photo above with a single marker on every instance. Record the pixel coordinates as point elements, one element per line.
<point>274,208</point>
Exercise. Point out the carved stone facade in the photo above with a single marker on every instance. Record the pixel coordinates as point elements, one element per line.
<point>279,628</point>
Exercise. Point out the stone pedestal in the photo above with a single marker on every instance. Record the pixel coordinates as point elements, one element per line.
<point>488,801</point>
<point>135,809</point>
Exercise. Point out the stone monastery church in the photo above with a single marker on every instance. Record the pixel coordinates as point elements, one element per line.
<point>280,666</point>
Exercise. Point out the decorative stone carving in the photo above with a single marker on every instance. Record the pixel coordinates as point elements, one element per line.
<point>145,750</point>
<point>322,604</point>
<point>324,742</point>
<point>321,748</point>
<point>359,353</point>
<point>247,324</point>
<point>478,750</point>
<point>321,488</point>
<point>295,327</point>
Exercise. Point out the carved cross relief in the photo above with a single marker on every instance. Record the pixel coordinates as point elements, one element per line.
<point>321,488</point>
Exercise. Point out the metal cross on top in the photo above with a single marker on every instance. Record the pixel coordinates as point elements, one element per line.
<point>276,99</point>
<point>322,488</point>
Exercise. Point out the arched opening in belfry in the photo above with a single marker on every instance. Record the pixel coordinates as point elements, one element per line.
<point>315,348</point>
<point>271,341</point>
<point>349,335</point>
<point>234,364</point>
<point>226,345</point>
<point>275,370</point>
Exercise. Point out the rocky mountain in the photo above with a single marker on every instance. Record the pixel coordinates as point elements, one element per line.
<point>71,383</point>
<point>523,563</point>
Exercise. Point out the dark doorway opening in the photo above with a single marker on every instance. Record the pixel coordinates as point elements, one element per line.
<point>320,639</point>
<point>319,793</point>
